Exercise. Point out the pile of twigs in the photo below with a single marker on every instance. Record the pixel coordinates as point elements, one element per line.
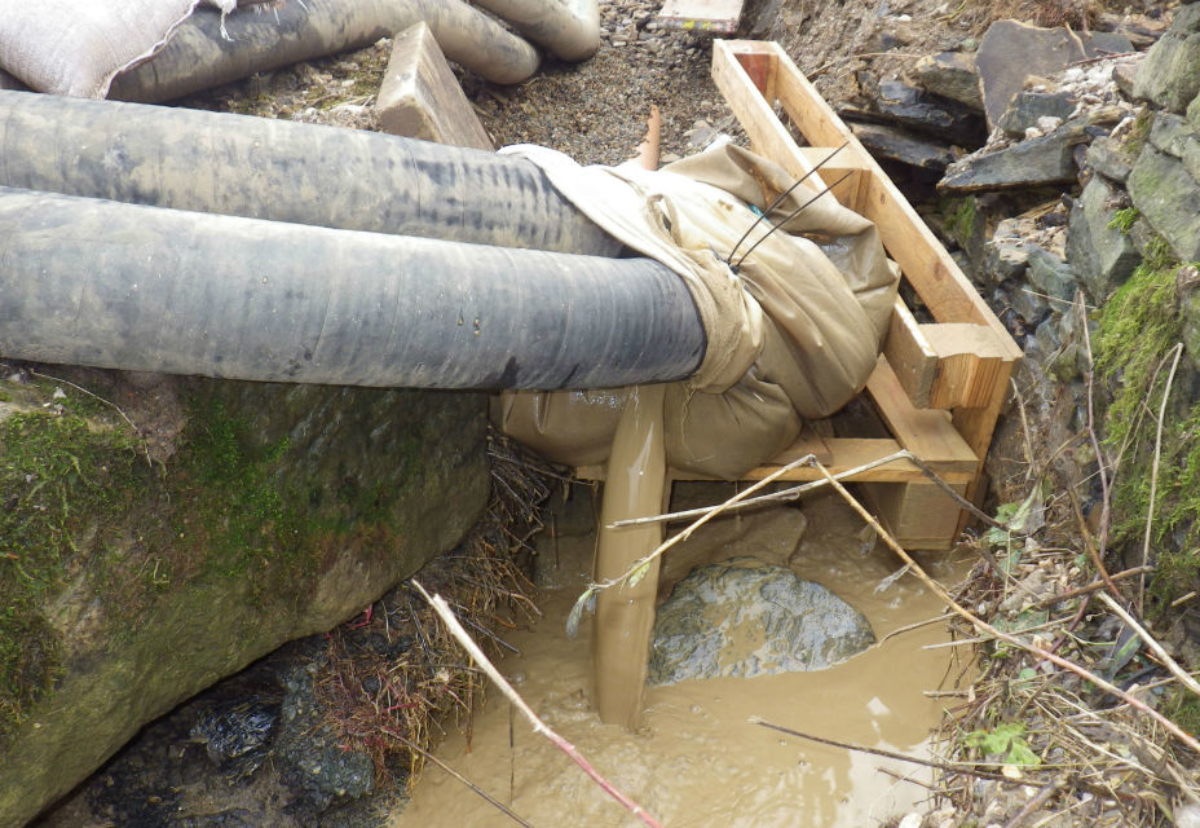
<point>1035,744</point>
<point>394,676</point>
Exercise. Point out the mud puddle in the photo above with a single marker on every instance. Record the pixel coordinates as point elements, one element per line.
<point>696,761</point>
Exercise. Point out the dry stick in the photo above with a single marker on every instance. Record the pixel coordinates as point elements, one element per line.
<point>1162,416</point>
<point>112,405</point>
<point>1089,588</point>
<point>952,767</point>
<point>411,745</point>
<point>1038,801</point>
<point>1090,546</point>
<point>464,638</point>
<point>1172,665</point>
<point>786,495</point>
<point>981,625</point>
<point>709,513</point>
<point>1105,493</point>
<point>917,625</point>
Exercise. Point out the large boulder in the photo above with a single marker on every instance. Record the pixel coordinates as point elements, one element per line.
<point>1169,199</point>
<point>128,586</point>
<point>744,618</point>
<point>1170,73</point>
<point>1099,250</point>
<point>1011,52</point>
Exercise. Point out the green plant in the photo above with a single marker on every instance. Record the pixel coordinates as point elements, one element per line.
<point>1005,740</point>
<point>1124,220</point>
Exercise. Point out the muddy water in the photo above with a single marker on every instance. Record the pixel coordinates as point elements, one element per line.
<point>695,760</point>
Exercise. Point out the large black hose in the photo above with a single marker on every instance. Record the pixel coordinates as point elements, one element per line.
<point>285,171</point>
<point>201,54</point>
<point>99,283</point>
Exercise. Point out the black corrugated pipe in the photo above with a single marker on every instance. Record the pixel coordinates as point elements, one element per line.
<point>285,171</point>
<point>99,283</point>
<point>201,55</point>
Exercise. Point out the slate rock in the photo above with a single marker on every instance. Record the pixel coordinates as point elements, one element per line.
<point>1107,159</point>
<point>1102,255</point>
<point>1169,199</point>
<point>1051,275</point>
<point>951,75</point>
<point>1038,161</point>
<point>1124,75</point>
<point>899,104</point>
<point>898,145</point>
<point>1170,73</point>
<point>1193,113</point>
<point>1170,133</point>
<point>1191,157</point>
<point>1030,305</point>
<point>1102,44</point>
<point>1141,31</point>
<point>745,618</point>
<point>1006,254</point>
<point>1027,107</point>
<point>1012,51</point>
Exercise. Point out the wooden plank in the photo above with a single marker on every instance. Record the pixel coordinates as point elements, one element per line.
<point>717,16</point>
<point>927,433</point>
<point>421,98</point>
<point>970,362</point>
<point>767,135</point>
<point>929,268</point>
<point>845,453</point>
<point>917,515</point>
<point>943,365</point>
<point>912,358</point>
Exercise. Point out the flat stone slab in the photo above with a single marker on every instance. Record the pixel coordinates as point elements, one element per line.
<point>743,618</point>
<point>1011,51</point>
<point>952,75</point>
<point>1038,161</point>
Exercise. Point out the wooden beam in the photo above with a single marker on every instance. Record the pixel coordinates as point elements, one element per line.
<point>911,356</point>
<point>421,98</point>
<point>844,453</point>
<point>926,264</point>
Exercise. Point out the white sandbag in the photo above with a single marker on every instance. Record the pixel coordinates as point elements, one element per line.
<point>76,47</point>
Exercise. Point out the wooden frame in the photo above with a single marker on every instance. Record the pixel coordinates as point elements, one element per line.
<point>939,387</point>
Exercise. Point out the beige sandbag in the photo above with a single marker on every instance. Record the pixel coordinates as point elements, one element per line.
<point>794,334</point>
<point>76,47</point>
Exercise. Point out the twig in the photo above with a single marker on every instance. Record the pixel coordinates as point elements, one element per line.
<point>1162,415</point>
<point>708,514</point>
<point>1105,491</point>
<point>787,495</point>
<point>464,638</point>
<point>411,745</point>
<point>1090,546</point>
<point>886,754</point>
<point>917,625</point>
<point>1088,588</point>
<point>1038,801</point>
<point>981,625</point>
<point>1172,665</point>
<point>112,405</point>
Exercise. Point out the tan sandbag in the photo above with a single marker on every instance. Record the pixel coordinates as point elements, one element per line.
<point>794,334</point>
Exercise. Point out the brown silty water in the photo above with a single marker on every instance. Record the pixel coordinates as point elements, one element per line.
<point>695,760</point>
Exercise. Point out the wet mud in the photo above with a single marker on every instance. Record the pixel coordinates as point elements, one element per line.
<point>695,759</point>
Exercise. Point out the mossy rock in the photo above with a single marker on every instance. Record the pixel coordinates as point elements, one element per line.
<point>127,586</point>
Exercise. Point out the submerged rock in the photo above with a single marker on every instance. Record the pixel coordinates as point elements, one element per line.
<point>745,618</point>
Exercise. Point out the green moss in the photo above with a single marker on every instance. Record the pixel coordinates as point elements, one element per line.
<point>1123,220</point>
<point>960,218</point>
<point>1136,140</point>
<point>65,483</point>
<point>1139,328</point>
